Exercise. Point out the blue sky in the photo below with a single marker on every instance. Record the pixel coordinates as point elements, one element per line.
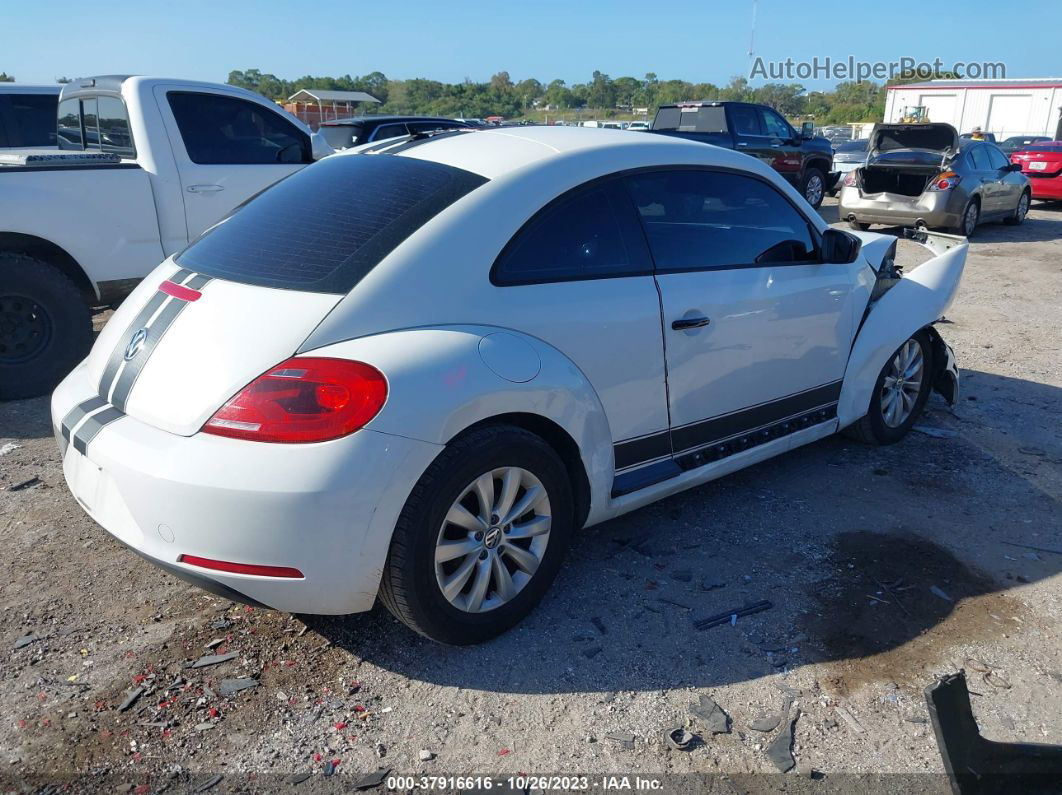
<point>700,41</point>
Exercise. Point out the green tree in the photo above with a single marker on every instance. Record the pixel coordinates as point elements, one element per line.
<point>6,78</point>
<point>601,92</point>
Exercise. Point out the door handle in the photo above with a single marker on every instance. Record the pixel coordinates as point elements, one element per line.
<point>742,143</point>
<point>686,323</point>
<point>205,188</point>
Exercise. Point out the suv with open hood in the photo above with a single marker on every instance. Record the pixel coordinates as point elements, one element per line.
<point>924,175</point>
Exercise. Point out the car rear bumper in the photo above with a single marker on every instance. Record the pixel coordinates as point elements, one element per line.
<point>1050,188</point>
<point>935,209</point>
<point>326,509</point>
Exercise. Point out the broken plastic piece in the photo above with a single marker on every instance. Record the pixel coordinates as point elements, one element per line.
<point>732,615</point>
<point>977,766</point>
<point>680,739</point>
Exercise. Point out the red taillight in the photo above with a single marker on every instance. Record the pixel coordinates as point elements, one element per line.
<point>850,178</point>
<point>305,399</point>
<point>946,181</point>
<point>241,568</point>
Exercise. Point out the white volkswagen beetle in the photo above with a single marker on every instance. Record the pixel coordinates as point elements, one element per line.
<point>413,370</point>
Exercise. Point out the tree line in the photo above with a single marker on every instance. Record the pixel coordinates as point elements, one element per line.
<point>601,96</point>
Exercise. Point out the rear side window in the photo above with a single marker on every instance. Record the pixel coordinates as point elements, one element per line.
<point>979,158</point>
<point>703,220</point>
<point>325,227</point>
<point>590,233</point>
<point>746,120</point>
<point>996,158</point>
<point>29,119</point>
<point>389,131</point>
<point>70,124</point>
<point>220,130</point>
<point>114,132</point>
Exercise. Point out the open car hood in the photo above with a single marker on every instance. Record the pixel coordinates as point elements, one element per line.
<point>931,137</point>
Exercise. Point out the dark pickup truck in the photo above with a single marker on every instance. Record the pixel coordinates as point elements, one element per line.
<point>799,156</point>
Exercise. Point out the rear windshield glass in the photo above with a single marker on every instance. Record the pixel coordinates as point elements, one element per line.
<point>858,145</point>
<point>340,136</point>
<point>1056,148</point>
<point>325,227</point>
<point>691,119</point>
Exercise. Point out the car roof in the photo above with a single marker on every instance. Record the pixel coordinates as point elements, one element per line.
<point>362,120</point>
<point>28,88</point>
<point>495,152</point>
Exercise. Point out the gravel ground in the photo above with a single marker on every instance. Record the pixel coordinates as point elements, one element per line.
<point>611,660</point>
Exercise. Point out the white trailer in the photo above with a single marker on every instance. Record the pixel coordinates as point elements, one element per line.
<point>1003,107</point>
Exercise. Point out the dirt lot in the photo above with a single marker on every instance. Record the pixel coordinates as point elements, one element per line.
<point>612,651</point>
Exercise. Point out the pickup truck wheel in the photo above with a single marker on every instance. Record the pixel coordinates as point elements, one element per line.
<point>814,186</point>
<point>45,326</point>
<point>858,226</point>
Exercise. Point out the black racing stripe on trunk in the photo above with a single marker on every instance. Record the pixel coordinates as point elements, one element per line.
<point>78,413</point>
<point>635,451</point>
<point>718,428</point>
<point>424,139</point>
<point>180,276</point>
<point>118,354</point>
<point>92,426</point>
<point>133,367</point>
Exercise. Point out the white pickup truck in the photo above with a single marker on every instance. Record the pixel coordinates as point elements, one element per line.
<point>145,165</point>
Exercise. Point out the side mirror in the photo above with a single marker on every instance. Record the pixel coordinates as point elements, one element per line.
<point>807,130</point>
<point>319,146</point>
<point>1014,167</point>
<point>840,247</point>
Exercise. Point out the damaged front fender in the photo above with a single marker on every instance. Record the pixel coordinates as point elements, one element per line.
<point>908,305</point>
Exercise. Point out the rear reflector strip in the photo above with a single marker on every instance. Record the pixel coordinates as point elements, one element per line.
<point>241,568</point>
<point>180,291</point>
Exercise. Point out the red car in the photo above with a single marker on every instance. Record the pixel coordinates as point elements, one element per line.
<point>1042,164</point>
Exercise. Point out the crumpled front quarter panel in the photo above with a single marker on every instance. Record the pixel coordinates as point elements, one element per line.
<point>919,299</point>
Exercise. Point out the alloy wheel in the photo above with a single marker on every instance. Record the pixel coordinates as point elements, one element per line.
<point>493,539</point>
<point>813,191</point>
<point>1023,207</point>
<point>902,385</point>
<point>969,219</point>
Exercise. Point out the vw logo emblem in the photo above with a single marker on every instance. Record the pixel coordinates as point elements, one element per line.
<point>136,342</point>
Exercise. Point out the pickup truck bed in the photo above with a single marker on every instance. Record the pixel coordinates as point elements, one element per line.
<point>144,166</point>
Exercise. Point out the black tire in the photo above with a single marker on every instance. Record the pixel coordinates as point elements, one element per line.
<point>813,186</point>
<point>859,227</point>
<point>872,428</point>
<point>45,326</point>
<point>409,588</point>
<point>965,228</point>
<point>1021,209</point>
